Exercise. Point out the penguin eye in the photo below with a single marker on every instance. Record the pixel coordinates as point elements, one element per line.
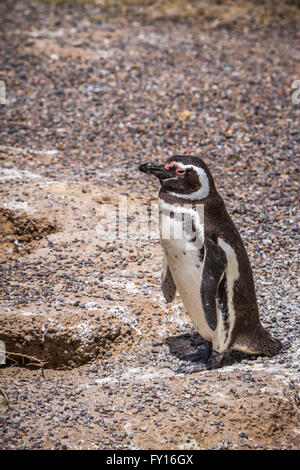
<point>169,165</point>
<point>180,171</point>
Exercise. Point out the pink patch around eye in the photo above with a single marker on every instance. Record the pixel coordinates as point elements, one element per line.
<point>179,171</point>
<point>169,165</point>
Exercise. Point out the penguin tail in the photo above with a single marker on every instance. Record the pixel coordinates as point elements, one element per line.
<point>258,341</point>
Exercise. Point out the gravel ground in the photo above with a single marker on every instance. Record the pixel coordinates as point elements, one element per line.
<point>88,99</point>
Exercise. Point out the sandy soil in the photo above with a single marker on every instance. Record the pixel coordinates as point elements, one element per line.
<point>87,101</point>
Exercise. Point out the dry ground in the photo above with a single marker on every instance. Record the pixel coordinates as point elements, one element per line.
<point>90,95</point>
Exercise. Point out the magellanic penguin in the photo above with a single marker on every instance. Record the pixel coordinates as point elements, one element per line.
<point>206,261</point>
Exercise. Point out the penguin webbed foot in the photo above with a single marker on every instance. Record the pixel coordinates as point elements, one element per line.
<point>197,356</point>
<point>213,362</point>
<point>191,368</point>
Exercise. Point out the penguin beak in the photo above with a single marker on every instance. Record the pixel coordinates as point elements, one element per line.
<point>157,170</point>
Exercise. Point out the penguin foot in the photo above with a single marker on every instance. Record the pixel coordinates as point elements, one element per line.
<point>213,362</point>
<point>197,356</point>
<point>191,368</point>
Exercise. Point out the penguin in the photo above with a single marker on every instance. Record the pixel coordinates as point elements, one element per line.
<point>205,260</point>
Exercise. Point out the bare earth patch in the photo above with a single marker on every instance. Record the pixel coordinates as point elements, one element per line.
<point>89,98</point>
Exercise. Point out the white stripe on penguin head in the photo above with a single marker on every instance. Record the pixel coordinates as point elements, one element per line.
<point>201,193</point>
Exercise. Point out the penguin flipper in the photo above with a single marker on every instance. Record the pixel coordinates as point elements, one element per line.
<point>167,283</point>
<point>214,265</point>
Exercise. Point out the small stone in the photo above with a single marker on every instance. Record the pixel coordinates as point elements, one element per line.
<point>143,428</point>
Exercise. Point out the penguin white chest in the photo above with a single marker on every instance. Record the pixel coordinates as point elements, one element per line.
<point>183,247</point>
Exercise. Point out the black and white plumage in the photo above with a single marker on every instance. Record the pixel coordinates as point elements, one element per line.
<point>206,261</point>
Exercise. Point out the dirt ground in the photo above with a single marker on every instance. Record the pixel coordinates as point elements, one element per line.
<point>92,347</point>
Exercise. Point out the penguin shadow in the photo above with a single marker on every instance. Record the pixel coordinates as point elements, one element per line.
<point>188,347</point>
<point>192,348</point>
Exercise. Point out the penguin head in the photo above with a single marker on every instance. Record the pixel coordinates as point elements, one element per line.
<point>182,176</point>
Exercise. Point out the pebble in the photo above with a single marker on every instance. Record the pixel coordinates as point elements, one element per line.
<point>143,428</point>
